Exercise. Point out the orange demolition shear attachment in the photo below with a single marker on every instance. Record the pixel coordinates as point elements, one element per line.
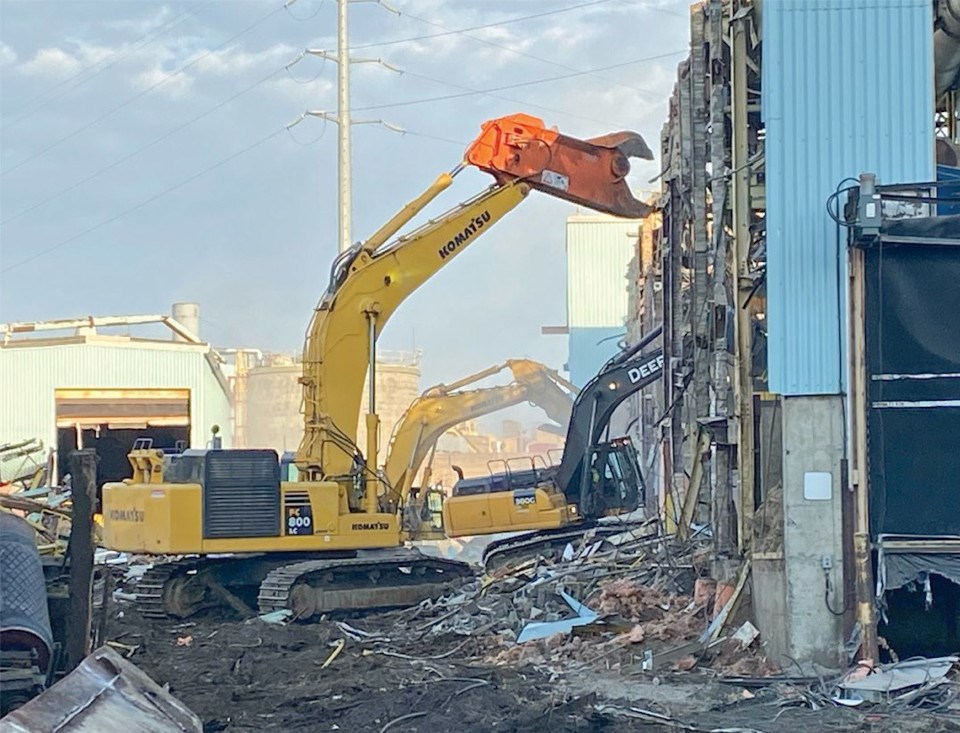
<point>589,172</point>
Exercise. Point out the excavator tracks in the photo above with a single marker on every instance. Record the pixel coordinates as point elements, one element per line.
<point>307,584</point>
<point>370,580</point>
<point>152,587</point>
<point>519,548</point>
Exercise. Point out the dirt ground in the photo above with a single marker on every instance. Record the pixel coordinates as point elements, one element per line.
<point>253,676</point>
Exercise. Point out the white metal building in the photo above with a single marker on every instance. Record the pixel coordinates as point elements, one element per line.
<point>599,250</point>
<point>83,388</point>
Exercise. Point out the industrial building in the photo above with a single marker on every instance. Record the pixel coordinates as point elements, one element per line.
<point>77,383</point>
<point>782,420</point>
<point>598,250</point>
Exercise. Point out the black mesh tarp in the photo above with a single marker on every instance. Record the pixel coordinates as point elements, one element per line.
<point>913,362</point>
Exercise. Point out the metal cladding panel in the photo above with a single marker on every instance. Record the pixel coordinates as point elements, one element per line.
<point>599,250</point>
<point>29,375</point>
<point>589,349</point>
<point>847,88</point>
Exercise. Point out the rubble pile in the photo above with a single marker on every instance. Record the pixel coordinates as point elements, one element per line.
<point>637,601</point>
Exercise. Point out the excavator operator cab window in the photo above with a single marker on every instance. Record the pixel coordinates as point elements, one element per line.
<point>616,482</point>
<point>288,469</point>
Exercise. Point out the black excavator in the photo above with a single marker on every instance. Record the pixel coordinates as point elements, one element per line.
<point>597,476</point>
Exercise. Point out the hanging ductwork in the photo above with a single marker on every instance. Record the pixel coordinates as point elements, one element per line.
<point>946,46</point>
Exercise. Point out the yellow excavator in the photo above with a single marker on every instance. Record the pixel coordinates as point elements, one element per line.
<point>598,475</point>
<point>444,406</point>
<point>326,542</point>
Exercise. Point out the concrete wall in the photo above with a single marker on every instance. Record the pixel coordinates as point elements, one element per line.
<point>813,440</point>
<point>769,596</point>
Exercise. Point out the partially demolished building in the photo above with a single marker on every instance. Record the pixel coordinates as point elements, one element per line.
<point>777,111</point>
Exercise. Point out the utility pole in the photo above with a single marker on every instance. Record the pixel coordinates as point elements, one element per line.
<point>342,117</point>
<point>343,110</point>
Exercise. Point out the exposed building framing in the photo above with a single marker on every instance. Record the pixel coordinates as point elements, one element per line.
<point>704,279</point>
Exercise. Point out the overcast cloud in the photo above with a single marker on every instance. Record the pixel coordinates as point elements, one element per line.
<point>87,87</point>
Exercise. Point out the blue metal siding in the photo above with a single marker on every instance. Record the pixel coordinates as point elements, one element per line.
<point>589,350</point>
<point>847,88</point>
<point>948,173</point>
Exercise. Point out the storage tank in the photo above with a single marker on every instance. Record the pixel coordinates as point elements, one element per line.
<point>272,406</point>
<point>398,385</point>
<point>273,398</point>
<point>188,316</point>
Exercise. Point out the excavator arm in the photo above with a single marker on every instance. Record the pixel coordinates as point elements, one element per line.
<point>442,407</point>
<point>621,377</point>
<point>371,280</point>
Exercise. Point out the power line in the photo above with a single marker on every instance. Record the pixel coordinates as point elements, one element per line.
<point>459,143</point>
<point>137,152</point>
<point>155,197</point>
<point>518,52</point>
<point>509,21</point>
<point>164,80</point>
<point>518,85</point>
<point>524,102</point>
<point>113,58</point>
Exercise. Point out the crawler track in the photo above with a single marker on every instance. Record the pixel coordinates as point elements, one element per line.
<point>307,584</point>
<point>370,580</point>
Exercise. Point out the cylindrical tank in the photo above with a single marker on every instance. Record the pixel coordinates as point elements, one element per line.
<point>24,618</point>
<point>273,396</point>
<point>188,316</point>
<point>398,385</point>
<point>273,399</point>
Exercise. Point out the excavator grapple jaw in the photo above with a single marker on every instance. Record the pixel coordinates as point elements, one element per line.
<point>589,172</point>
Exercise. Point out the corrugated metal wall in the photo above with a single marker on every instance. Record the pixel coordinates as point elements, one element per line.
<point>30,375</point>
<point>599,251</point>
<point>847,88</point>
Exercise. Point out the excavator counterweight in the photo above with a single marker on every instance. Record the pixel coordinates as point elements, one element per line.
<point>588,172</point>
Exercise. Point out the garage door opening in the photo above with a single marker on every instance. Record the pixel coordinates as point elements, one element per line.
<point>113,444</point>
<point>111,420</point>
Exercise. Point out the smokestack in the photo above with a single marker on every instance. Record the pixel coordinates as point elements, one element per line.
<point>188,316</point>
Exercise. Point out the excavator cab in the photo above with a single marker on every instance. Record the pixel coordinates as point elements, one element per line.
<point>615,478</point>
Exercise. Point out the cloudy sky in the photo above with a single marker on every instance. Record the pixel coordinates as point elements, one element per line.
<point>145,159</point>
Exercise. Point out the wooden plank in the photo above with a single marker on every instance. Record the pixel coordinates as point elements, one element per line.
<point>83,467</point>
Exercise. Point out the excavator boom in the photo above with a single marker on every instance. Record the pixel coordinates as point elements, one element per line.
<point>372,280</point>
<point>442,407</point>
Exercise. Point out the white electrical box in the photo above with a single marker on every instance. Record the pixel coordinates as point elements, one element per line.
<point>817,486</point>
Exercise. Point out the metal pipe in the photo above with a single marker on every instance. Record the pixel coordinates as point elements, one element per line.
<point>443,182</point>
<point>371,503</point>
<point>584,472</point>
<point>858,475</point>
<point>946,47</point>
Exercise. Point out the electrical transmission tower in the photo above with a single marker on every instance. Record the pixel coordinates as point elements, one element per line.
<point>342,116</point>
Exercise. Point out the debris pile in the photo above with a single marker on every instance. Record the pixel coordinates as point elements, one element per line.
<point>635,601</point>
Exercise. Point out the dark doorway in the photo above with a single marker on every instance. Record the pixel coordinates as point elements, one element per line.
<point>112,446</point>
